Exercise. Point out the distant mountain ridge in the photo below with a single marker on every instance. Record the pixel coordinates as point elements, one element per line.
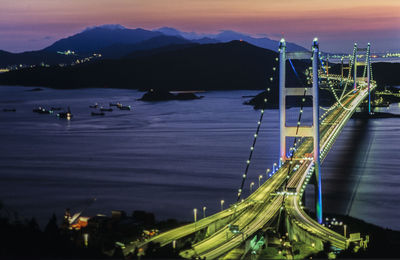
<point>115,41</point>
<point>120,50</point>
<point>95,39</point>
<point>229,35</point>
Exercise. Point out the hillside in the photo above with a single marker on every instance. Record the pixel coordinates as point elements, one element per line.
<point>33,58</point>
<point>120,50</point>
<point>94,39</point>
<point>233,65</point>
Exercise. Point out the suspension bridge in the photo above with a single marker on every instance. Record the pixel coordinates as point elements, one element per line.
<point>280,199</point>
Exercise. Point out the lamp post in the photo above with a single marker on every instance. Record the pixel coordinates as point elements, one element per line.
<point>267,173</point>
<point>195,218</point>
<point>274,168</point>
<point>204,212</point>
<point>251,187</point>
<point>222,205</point>
<point>259,180</point>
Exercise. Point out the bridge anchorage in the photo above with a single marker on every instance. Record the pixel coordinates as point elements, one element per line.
<point>244,226</point>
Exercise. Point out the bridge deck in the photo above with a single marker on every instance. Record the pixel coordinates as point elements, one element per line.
<point>254,216</point>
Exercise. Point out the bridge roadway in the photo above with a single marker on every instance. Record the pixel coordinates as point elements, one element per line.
<point>293,203</point>
<point>235,210</point>
<point>257,217</point>
<point>263,204</point>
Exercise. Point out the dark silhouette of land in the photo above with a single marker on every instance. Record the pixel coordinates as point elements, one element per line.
<point>233,65</point>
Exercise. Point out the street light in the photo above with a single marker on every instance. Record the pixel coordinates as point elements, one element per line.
<point>204,212</point>
<point>222,205</point>
<point>251,187</point>
<point>274,168</point>
<point>195,218</point>
<point>259,180</point>
<point>195,214</point>
<point>267,173</point>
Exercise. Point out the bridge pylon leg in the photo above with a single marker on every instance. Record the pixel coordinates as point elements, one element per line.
<point>317,168</point>
<point>355,68</point>
<point>369,77</point>
<point>282,100</point>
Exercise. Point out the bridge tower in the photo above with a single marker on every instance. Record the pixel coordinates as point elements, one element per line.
<point>355,66</point>
<point>301,131</point>
<point>367,70</point>
<point>369,76</point>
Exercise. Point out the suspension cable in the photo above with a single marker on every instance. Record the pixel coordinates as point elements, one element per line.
<point>329,84</point>
<point>351,60</point>
<point>244,176</point>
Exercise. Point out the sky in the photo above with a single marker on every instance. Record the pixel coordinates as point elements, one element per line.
<point>34,24</point>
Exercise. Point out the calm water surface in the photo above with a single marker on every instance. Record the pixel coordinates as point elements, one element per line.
<point>171,157</point>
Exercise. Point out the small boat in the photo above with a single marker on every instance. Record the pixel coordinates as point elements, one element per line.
<point>94,106</point>
<point>124,107</point>
<point>97,114</point>
<point>56,108</point>
<point>9,110</point>
<point>106,109</point>
<point>115,104</point>
<point>68,115</point>
<point>42,110</point>
<point>36,110</point>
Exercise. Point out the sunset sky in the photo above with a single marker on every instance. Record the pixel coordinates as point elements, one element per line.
<point>34,24</point>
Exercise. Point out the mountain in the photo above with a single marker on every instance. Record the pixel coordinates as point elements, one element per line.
<point>93,39</point>
<point>232,65</point>
<point>187,35</point>
<point>205,40</point>
<point>228,35</point>
<point>107,26</point>
<point>119,50</point>
<point>116,41</point>
<point>112,41</point>
<point>151,52</point>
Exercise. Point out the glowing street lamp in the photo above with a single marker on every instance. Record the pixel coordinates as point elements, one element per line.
<point>222,205</point>
<point>267,173</point>
<point>274,168</point>
<point>259,180</point>
<point>204,212</point>
<point>195,214</point>
<point>251,187</point>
